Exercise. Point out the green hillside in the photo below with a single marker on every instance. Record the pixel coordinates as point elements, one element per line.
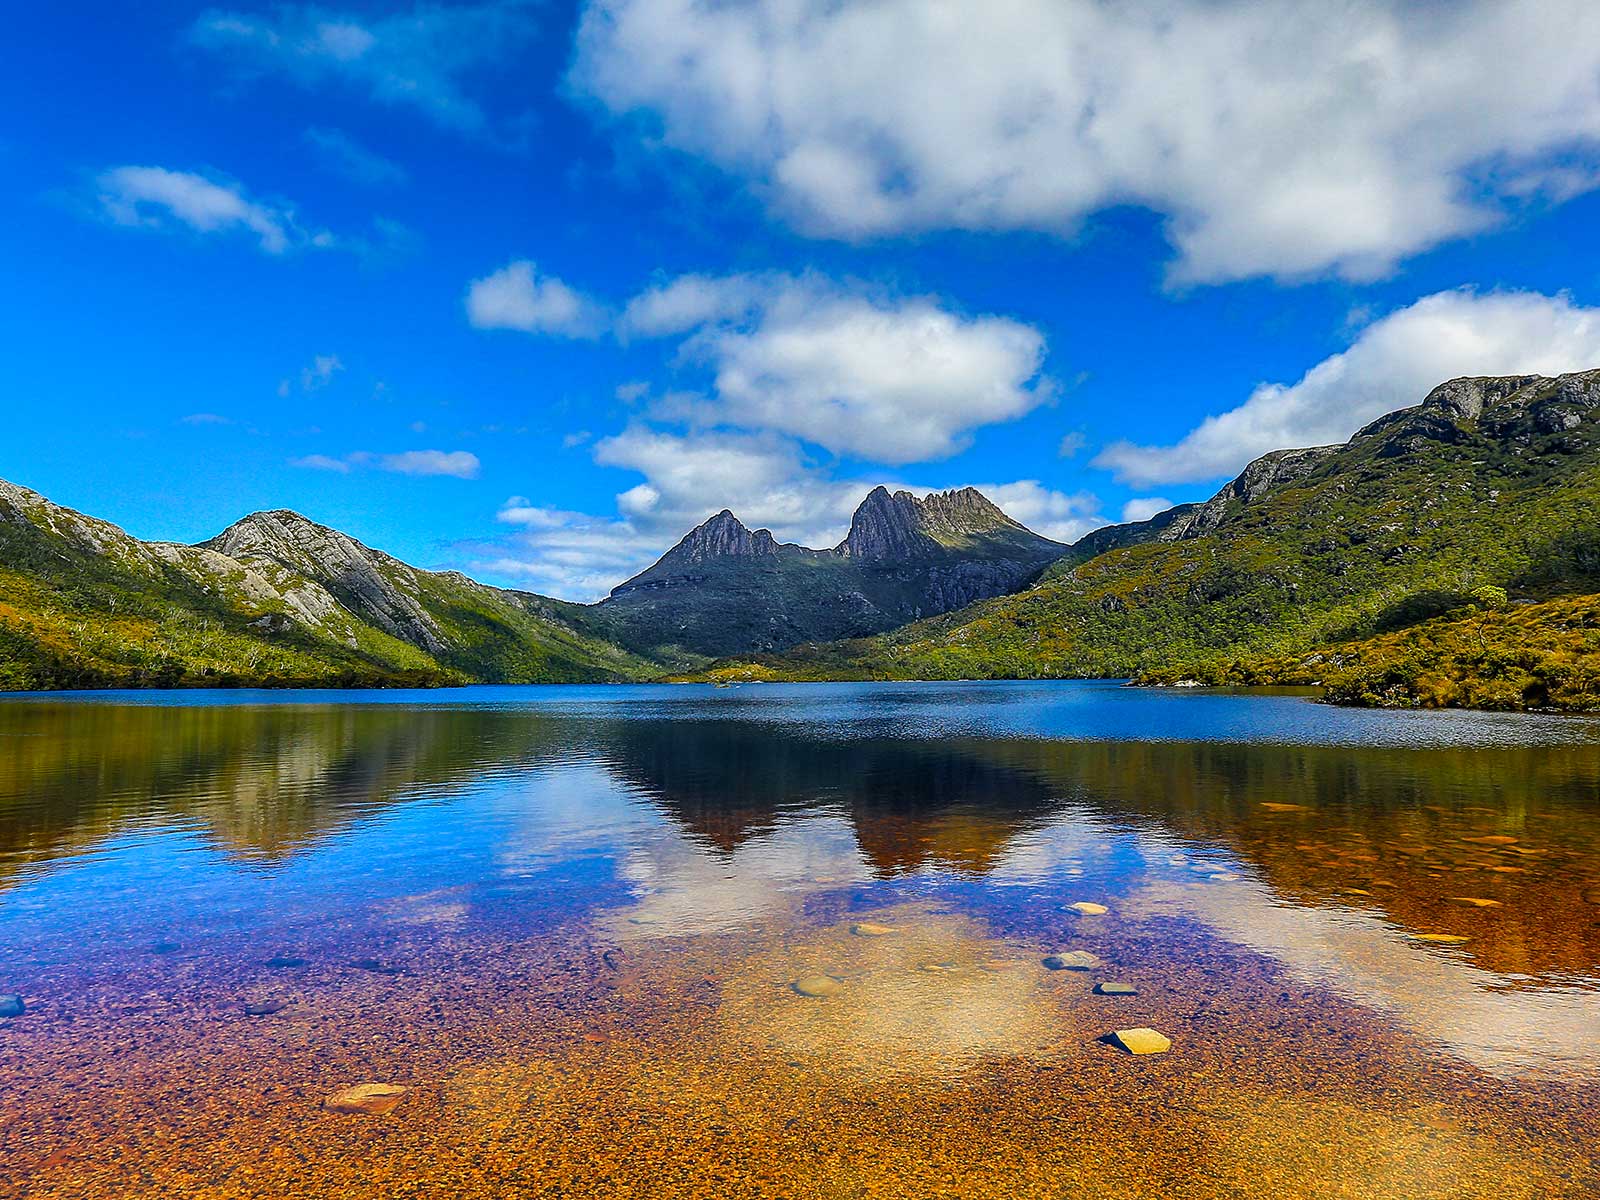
<point>1488,483</point>
<point>82,604</point>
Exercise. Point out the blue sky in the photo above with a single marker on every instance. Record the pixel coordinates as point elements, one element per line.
<point>527,289</point>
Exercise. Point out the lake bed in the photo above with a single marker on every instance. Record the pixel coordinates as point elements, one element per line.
<point>792,941</point>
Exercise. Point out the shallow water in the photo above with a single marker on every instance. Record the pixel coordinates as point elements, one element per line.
<point>569,920</point>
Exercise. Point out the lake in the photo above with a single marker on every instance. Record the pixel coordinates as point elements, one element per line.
<point>576,926</point>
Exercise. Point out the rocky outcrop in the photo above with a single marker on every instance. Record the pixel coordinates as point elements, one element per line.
<point>379,589</point>
<point>1267,474</point>
<point>900,526</point>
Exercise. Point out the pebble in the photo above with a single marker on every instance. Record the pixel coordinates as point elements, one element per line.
<point>1108,988</point>
<point>817,986</point>
<point>373,1098</point>
<point>870,929</point>
<point>1475,901</point>
<point>1087,908</point>
<point>1073,960</point>
<point>12,1006</point>
<point>376,967</point>
<point>1141,1041</point>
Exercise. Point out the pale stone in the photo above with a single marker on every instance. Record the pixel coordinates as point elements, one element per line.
<point>372,1098</point>
<point>1141,1041</point>
<point>1073,960</point>
<point>817,986</point>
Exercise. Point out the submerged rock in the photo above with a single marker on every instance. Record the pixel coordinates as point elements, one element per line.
<point>375,966</point>
<point>1073,960</point>
<point>817,986</point>
<point>372,1098</point>
<point>12,1006</point>
<point>872,929</point>
<point>1140,1041</point>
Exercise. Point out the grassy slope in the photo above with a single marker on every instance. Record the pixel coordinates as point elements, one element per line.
<point>1394,528</point>
<point>1531,656</point>
<point>112,612</point>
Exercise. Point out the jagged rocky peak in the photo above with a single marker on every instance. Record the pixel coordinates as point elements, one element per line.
<point>722,536</point>
<point>270,532</point>
<point>899,525</point>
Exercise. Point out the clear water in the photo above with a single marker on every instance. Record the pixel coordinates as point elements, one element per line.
<point>570,921</point>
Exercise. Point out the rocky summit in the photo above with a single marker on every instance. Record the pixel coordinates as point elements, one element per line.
<point>726,589</point>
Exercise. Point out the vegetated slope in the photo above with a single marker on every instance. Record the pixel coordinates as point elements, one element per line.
<point>725,589</point>
<point>83,604</point>
<point>1489,482</point>
<point>1535,655</point>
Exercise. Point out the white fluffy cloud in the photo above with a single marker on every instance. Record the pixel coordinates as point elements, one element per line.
<point>518,297</point>
<point>155,197</point>
<point>888,380</point>
<point>1064,516</point>
<point>1142,508</point>
<point>458,464</point>
<point>1393,364</point>
<point>1277,139</point>
<point>424,58</point>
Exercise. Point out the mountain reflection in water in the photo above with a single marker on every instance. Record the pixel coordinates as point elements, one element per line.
<point>532,902</point>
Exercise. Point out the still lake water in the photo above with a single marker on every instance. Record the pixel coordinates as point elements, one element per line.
<point>569,922</point>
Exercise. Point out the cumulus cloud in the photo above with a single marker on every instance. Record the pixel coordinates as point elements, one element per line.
<point>892,380</point>
<point>1393,363</point>
<point>158,198</point>
<point>343,155</point>
<point>1063,516</point>
<point>1274,139</point>
<point>426,58</point>
<point>1142,508</point>
<point>517,297</point>
<point>459,464</point>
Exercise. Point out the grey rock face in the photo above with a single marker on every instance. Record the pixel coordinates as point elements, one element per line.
<point>377,588</point>
<point>1266,474</point>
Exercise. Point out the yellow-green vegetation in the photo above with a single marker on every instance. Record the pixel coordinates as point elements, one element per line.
<point>1491,484</point>
<point>84,605</point>
<point>1529,656</point>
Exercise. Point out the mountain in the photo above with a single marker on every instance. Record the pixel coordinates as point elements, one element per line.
<point>726,589</point>
<point>1489,483</point>
<point>273,599</point>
